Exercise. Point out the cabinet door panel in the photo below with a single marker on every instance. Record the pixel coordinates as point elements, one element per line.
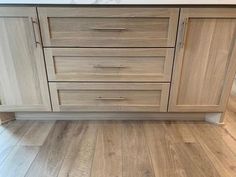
<point>23,84</point>
<point>205,60</point>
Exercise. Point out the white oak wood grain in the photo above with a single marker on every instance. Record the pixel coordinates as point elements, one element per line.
<point>107,97</point>
<point>18,161</point>
<point>108,27</point>
<point>109,65</point>
<point>79,158</point>
<point>23,83</point>
<point>108,153</point>
<point>205,60</point>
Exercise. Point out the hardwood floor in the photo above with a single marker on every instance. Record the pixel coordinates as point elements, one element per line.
<point>118,149</point>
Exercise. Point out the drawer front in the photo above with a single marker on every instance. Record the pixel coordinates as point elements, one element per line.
<point>108,27</point>
<point>100,97</point>
<point>97,64</point>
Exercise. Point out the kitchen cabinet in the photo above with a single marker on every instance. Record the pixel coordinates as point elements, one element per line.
<point>205,60</point>
<point>128,60</point>
<point>23,82</point>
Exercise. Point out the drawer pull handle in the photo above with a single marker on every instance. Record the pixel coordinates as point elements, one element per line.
<point>108,29</point>
<point>185,25</point>
<point>102,66</point>
<point>35,40</point>
<point>111,98</point>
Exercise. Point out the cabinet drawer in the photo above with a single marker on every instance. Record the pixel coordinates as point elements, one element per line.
<point>97,64</point>
<point>108,27</point>
<point>108,97</point>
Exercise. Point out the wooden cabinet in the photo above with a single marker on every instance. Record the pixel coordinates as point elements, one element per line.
<point>205,60</point>
<point>116,59</point>
<point>23,83</point>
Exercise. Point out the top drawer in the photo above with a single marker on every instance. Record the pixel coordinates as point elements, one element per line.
<point>108,27</point>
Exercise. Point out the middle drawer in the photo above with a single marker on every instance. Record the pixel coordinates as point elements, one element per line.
<point>111,64</point>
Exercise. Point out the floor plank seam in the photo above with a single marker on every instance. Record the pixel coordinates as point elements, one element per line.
<point>122,148</point>
<point>207,154</point>
<point>18,140</point>
<point>148,148</point>
<point>65,153</point>
<point>234,139</point>
<point>38,151</point>
<point>97,131</point>
<point>32,162</point>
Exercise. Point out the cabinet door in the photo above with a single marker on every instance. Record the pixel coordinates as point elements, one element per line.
<point>23,83</point>
<point>205,61</point>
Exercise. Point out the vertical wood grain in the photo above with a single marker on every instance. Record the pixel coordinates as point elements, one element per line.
<point>205,65</point>
<point>136,156</point>
<point>79,158</point>
<point>108,154</point>
<point>23,83</point>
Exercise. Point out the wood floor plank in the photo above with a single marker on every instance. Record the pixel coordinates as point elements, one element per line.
<point>18,161</point>
<point>3,127</point>
<point>216,149</point>
<point>191,154</point>
<point>226,135</point>
<point>10,137</point>
<point>51,155</point>
<point>179,132</point>
<point>195,161</point>
<point>230,124</point>
<point>79,157</point>
<point>117,149</point>
<point>108,155</point>
<point>166,162</point>
<point>136,158</point>
<point>37,134</point>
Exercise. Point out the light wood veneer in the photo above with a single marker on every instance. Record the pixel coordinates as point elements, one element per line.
<point>104,64</point>
<point>108,27</point>
<point>205,60</point>
<point>136,97</point>
<point>23,82</point>
<point>117,59</point>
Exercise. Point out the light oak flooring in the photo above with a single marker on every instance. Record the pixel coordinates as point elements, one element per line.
<point>118,149</point>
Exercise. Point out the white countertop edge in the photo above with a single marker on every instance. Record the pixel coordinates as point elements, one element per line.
<point>118,2</point>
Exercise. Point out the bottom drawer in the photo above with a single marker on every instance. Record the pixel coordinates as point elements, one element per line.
<point>107,97</point>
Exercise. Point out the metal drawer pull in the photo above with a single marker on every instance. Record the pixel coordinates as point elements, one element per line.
<point>185,25</point>
<point>35,40</point>
<point>102,66</point>
<point>108,29</point>
<point>111,98</point>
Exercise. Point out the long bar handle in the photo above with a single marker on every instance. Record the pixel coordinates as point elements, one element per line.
<point>110,98</point>
<point>185,26</point>
<point>108,29</point>
<point>103,66</point>
<point>34,32</point>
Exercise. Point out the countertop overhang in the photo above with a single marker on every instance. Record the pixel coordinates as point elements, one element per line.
<point>118,2</point>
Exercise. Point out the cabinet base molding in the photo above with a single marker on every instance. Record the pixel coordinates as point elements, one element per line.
<point>110,116</point>
<point>6,117</point>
